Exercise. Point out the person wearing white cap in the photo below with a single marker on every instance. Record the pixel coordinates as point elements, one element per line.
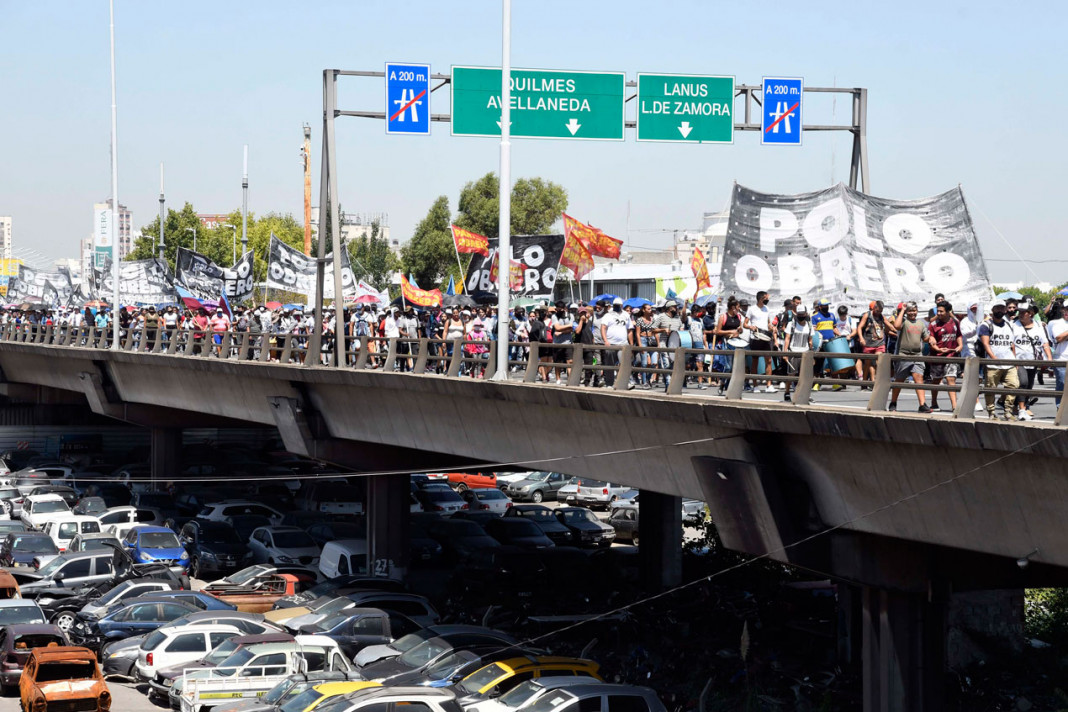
<point>615,325</point>
<point>998,340</point>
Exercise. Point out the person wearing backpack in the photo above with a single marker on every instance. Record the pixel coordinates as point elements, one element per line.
<point>998,342</point>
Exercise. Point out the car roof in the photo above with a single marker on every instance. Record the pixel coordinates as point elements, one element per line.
<point>263,638</point>
<point>62,653</point>
<point>341,687</point>
<point>209,628</point>
<point>95,535</point>
<point>151,529</point>
<point>32,629</point>
<point>73,555</point>
<point>15,602</point>
<point>527,661</point>
<point>44,498</point>
<point>378,693</point>
<point>586,685</point>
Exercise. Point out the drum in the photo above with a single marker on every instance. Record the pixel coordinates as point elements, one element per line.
<point>762,335</point>
<point>680,339</point>
<point>838,345</point>
<point>737,342</point>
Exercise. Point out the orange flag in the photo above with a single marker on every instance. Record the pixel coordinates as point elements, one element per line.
<point>595,241</point>
<point>419,297</point>
<point>469,242</point>
<point>516,274</point>
<point>700,270</point>
<point>576,257</point>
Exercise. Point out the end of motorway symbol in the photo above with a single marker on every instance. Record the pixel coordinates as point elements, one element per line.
<point>408,99</point>
<point>783,101</point>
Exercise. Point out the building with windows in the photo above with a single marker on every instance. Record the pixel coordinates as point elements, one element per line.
<point>103,237</point>
<point>5,237</point>
<point>357,225</point>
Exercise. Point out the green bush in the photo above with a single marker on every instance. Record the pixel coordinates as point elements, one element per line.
<point>1046,614</point>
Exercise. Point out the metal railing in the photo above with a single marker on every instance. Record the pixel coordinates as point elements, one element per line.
<point>619,367</point>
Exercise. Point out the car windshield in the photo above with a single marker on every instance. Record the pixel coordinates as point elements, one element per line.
<point>96,543</point>
<point>580,515</point>
<point>520,694</point>
<point>444,667</point>
<point>115,593</point>
<point>282,689</point>
<point>301,701</point>
<point>443,496</point>
<point>541,515</point>
<point>217,533</point>
<point>551,701</point>
<point>159,540</point>
<point>403,645</point>
<point>153,640</point>
<point>34,545</point>
<point>480,678</point>
<point>9,493</point>
<point>537,476</point>
<point>246,575</point>
<point>65,670</point>
<point>50,506</point>
<point>331,622</point>
<point>293,540</point>
<point>92,505</point>
<point>338,604</point>
<point>523,528</point>
<point>592,483</point>
<point>423,653</point>
<point>228,666</point>
<point>13,615</point>
<point>221,652</point>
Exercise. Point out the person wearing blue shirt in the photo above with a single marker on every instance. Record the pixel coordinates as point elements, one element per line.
<point>823,324</point>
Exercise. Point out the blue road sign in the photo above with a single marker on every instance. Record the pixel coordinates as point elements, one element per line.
<point>408,99</point>
<point>782,111</point>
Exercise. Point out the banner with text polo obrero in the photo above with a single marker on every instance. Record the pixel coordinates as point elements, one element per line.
<point>290,269</point>
<point>32,285</point>
<point>419,297</point>
<point>540,257</point>
<point>853,248</point>
<point>207,280</point>
<point>593,239</point>
<point>140,282</point>
<point>469,242</point>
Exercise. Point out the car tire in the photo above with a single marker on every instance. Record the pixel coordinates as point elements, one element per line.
<point>461,488</point>
<point>537,497</point>
<point>194,567</point>
<point>634,538</point>
<point>64,620</point>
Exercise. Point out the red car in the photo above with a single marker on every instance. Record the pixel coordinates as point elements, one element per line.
<point>464,481</point>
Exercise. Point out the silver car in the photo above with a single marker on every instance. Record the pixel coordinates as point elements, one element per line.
<point>11,500</point>
<point>536,487</point>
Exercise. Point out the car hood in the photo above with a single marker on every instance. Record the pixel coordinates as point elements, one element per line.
<point>385,669</point>
<point>373,654</point>
<point>532,542</point>
<point>175,671</point>
<point>587,525</point>
<point>298,622</point>
<point>300,552</point>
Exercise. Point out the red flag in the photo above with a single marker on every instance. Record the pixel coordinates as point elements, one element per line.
<point>700,270</point>
<point>516,274</point>
<point>469,242</point>
<point>419,297</point>
<point>576,257</point>
<point>595,241</point>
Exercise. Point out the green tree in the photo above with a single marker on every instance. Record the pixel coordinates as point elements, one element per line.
<point>536,205</point>
<point>372,260</point>
<point>1039,297</point>
<point>430,256</point>
<point>177,231</point>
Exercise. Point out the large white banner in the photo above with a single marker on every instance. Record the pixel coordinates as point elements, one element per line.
<point>207,280</point>
<point>290,269</point>
<point>852,248</point>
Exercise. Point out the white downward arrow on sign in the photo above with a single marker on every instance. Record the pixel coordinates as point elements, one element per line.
<point>573,125</point>
<point>499,126</point>
<point>685,129</point>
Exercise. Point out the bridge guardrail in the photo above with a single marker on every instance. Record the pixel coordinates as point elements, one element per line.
<point>617,365</point>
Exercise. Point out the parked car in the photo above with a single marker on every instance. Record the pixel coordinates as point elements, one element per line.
<point>568,494</point>
<point>487,499</point>
<point>163,681</point>
<point>68,494</point>
<point>119,520</point>
<point>333,498</point>
<point>499,677</point>
<point>63,678</point>
<point>167,647</point>
<point>19,611</point>
<point>224,510</point>
<point>316,697</point>
<point>586,529</point>
<point>505,573</point>
<point>213,547</point>
<point>537,486</point>
<point>422,548</point>
<point>327,531</point>
<point>63,609</point>
<point>41,508</point>
<point>21,548</point>
<point>519,531</point>
<point>463,481</point>
<point>245,524</point>
<point>283,545</point>
<point>16,642</point>
<point>442,501</point>
<point>341,586</point>
<point>93,506</point>
<point>459,538</point>
<point>544,518</point>
<point>93,542</point>
<point>63,530</point>
<point>595,494</point>
<point>526,694</point>
<point>113,566</point>
<point>374,653</point>
<point>415,607</point>
<point>427,653</point>
<point>197,599</point>
<point>7,526</point>
<point>11,501</point>
<point>114,495</point>
<point>693,510</point>
<point>593,695</point>
<point>356,628</point>
<point>135,618</point>
<point>427,699</point>
<point>625,521</point>
<point>261,593</point>
<point>147,544</point>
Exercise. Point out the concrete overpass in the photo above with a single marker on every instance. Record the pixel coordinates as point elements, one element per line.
<point>906,509</point>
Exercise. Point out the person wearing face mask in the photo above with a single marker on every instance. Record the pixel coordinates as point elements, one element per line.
<point>219,323</point>
<point>797,338</point>
<point>664,325</point>
<point>563,328</point>
<point>763,337</point>
<point>998,341</point>
<point>614,327</point>
<point>1032,344</point>
<point>599,310</point>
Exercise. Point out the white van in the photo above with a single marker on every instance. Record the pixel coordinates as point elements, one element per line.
<point>343,557</point>
<point>66,528</point>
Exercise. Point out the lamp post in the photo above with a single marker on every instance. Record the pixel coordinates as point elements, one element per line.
<point>194,230</point>
<point>234,228</point>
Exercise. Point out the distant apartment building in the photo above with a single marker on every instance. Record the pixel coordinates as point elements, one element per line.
<point>357,225</point>
<point>5,237</point>
<point>212,220</point>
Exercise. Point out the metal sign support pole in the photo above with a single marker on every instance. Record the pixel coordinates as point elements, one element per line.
<point>504,229</point>
<point>335,231</point>
<point>315,338</point>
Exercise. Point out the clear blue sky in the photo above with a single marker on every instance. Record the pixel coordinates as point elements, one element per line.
<point>951,85</point>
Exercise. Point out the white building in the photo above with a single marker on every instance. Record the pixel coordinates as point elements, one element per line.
<point>357,225</point>
<point>5,237</point>
<point>711,240</point>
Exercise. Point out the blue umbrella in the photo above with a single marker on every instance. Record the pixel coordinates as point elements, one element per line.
<point>705,300</point>
<point>636,302</point>
<point>1063,292</point>
<point>599,297</point>
<point>296,307</point>
<point>1010,295</point>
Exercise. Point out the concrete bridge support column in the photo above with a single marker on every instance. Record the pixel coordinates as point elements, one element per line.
<point>660,536</point>
<point>903,640</point>
<point>387,509</point>
<point>165,456</point>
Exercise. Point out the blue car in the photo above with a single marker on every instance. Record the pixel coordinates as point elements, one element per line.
<point>136,618</point>
<point>155,545</point>
<point>200,601</point>
<point>21,548</point>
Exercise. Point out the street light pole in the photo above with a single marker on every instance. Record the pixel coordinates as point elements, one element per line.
<point>114,193</point>
<point>504,226</point>
<point>194,237</point>
<point>234,228</point>
<point>162,213</point>
<point>244,209</point>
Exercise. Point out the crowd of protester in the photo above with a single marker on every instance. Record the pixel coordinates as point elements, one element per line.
<point>1012,330</point>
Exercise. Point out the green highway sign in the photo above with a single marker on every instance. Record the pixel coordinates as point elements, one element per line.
<point>685,108</point>
<point>546,103</point>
